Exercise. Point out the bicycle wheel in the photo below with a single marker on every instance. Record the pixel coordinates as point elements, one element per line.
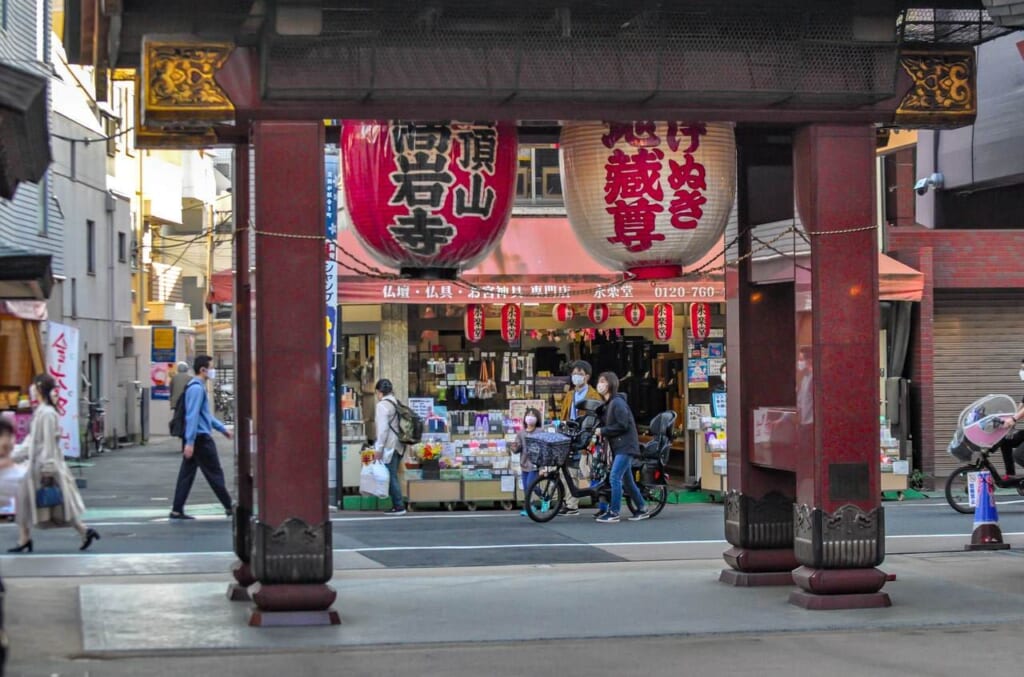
<point>956,489</point>
<point>655,496</point>
<point>544,498</point>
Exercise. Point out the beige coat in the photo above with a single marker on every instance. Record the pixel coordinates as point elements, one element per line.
<point>42,450</point>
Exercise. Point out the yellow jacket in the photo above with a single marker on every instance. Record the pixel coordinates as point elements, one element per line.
<point>567,400</point>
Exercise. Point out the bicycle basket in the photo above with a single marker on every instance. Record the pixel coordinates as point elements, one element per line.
<point>547,449</point>
<point>980,426</point>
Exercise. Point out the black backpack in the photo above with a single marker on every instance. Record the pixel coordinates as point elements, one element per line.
<point>177,424</point>
<point>410,424</point>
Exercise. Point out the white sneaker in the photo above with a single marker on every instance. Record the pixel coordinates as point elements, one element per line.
<point>642,515</point>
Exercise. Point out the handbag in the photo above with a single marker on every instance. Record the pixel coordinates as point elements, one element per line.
<point>48,495</point>
<point>485,387</point>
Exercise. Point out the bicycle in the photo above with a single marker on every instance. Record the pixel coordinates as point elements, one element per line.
<point>980,429</point>
<point>545,496</point>
<point>95,428</point>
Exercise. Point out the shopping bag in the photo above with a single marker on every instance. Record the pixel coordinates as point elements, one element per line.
<point>373,480</point>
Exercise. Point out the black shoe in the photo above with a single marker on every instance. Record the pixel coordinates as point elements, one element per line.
<point>90,536</point>
<point>395,511</point>
<point>180,516</point>
<point>22,548</point>
<point>229,512</point>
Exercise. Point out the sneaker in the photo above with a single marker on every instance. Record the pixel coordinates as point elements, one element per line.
<point>599,514</point>
<point>523,513</point>
<point>395,511</point>
<point>569,512</point>
<point>642,515</point>
<point>180,516</point>
<point>608,518</point>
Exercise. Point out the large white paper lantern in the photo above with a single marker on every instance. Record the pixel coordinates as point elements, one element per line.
<point>648,197</point>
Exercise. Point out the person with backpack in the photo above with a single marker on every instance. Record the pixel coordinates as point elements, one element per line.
<point>388,446</point>
<point>194,423</point>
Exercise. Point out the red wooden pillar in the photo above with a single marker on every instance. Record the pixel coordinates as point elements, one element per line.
<point>838,519</point>
<point>760,336</point>
<point>291,552</point>
<point>242,540</point>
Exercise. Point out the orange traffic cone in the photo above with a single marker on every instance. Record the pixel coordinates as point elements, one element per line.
<point>986,535</point>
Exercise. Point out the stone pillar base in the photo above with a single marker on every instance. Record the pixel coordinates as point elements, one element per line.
<point>742,579</point>
<point>839,588</point>
<point>293,604</point>
<point>239,591</point>
<point>775,560</point>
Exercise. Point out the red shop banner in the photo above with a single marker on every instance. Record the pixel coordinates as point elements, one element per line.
<point>700,320</point>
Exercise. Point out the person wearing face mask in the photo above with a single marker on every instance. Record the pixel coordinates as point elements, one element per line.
<point>581,391</point>
<point>1012,446</point>
<point>531,423</point>
<point>805,387</point>
<point>46,468</point>
<point>199,451</point>
<point>619,429</point>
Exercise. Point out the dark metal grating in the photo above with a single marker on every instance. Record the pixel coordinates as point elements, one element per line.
<point>947,27</point>
<point>782,55</point>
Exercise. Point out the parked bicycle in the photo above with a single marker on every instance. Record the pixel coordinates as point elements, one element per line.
<point>545,496</point>
<point>224,403</point>
<point>95,428</point>
<point>980,429</point>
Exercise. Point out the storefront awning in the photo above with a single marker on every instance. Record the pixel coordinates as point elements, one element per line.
<point>24,274</point>
<point>539,260</point>
<point>896,281</point>
<point>24,140</point>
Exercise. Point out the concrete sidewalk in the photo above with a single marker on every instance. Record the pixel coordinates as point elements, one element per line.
<point>588,616</point>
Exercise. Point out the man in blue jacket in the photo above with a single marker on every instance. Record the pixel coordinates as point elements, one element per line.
<point>199,449</point>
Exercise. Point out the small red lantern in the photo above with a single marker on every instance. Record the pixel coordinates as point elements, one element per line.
<point>475,322</point>
<point>563,312</point>
<point>598,312</point>
<point>511,322</point>
<point>664,319</point>
<point>700,320</point>
<point>635,314</point>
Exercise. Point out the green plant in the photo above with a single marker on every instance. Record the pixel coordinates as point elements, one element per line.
<point>917,479</point>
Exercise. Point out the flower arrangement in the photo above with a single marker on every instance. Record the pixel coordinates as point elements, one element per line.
<point>447,462</point>
<point>428,453</point>
<point>366,456</point>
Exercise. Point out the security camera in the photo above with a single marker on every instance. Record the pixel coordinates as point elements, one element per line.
<point>934,181</point>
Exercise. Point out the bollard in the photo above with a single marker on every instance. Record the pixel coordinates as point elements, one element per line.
<point>986,535</point>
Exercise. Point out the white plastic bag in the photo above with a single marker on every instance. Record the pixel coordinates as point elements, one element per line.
<point>373,480</point>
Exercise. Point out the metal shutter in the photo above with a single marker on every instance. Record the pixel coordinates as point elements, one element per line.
<point>978,350</point>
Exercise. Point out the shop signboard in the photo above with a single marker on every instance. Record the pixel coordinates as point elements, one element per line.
<point>648,197</point>
<point>422,406</point>
<point>697,373</point>
<point>428,195</point>
<point>62,364</point>
<point>163,345</point>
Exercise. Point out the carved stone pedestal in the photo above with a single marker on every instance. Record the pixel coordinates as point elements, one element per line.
<point>761,532</point>
<point>239,591</point>
<point>290,605</point>
<point>241,571</point>
<point>828,589</point>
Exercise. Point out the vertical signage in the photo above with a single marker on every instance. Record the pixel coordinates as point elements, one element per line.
<point>62,365</point>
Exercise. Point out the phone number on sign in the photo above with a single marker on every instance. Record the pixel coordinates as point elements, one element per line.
<point>686,292</point>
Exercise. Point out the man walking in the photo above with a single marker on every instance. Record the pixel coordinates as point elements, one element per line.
<point>387,447</point>
<point>581,391</point>
<point>178,383</point>
<point>199,450</point>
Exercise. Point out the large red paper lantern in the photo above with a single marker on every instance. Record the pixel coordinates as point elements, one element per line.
<point>597,312</point>
<point>563,312</point>
<point>476,322</point>
<point>429,198</point>
<point>664,319</point>
<point>700,320</point>
<point>648,197</point>
<point>511,322</point>
<point>635,313</point>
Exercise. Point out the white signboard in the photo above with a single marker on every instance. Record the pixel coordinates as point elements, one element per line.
<point>62,365</point>
<point>423,406</point>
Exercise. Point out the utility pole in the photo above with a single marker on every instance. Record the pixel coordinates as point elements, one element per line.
<point>210,306</point>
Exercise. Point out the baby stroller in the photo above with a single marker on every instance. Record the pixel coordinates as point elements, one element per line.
<point>979,429</point>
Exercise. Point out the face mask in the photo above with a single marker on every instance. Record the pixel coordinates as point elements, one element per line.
<point>531,421</point>
<point>33,396</point>
<point>577,380</point>
<point>723,378</point>
<point>602,388</point>
<point>211,373</point>
<point>801,364</point>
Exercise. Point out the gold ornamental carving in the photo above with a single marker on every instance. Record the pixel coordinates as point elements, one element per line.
<point>179,84</point>
<point>942,92</point>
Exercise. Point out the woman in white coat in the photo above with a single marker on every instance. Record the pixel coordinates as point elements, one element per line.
<point>46,466</point>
